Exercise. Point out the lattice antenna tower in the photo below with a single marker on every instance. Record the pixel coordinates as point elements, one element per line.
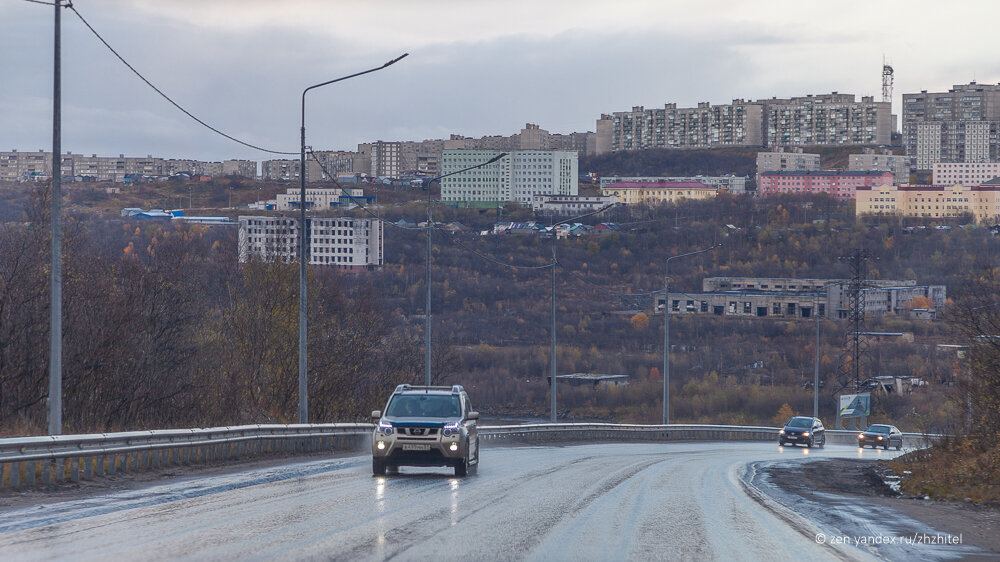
<point>856,343</point>
<point>886,81</point>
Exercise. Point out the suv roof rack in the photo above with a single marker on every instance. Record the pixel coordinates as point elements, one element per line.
<point>454,389</point>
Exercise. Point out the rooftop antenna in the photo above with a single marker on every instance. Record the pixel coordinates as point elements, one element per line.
<point>887,75</point>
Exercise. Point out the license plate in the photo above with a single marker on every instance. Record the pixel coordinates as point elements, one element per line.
<point>416,447</point>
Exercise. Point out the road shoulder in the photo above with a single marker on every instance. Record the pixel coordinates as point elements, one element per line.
<point>849,500</point>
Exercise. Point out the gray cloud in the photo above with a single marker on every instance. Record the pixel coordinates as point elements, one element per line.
<point>247,79</point>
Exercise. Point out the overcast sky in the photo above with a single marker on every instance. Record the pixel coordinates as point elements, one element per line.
<point>475,67</point>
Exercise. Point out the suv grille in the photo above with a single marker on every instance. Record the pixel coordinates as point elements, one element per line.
<point>418,431</point>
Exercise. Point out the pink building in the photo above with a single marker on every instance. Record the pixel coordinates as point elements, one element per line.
<point>840,185</point>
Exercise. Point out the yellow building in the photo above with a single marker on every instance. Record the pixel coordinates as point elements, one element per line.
<point>925,201</point>
<point>655,192</point>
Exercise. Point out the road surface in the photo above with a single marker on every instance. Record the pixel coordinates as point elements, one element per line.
<point>630,501</point>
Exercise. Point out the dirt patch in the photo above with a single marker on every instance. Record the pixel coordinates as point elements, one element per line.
<point>978,525</point>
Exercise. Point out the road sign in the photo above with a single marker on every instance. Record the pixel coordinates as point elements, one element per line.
<point>854,405</point>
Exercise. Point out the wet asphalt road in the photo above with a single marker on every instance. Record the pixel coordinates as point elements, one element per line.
<point>677,501</point>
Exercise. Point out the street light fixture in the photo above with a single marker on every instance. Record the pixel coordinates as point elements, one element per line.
<point>427,310</point>
<point>666,330</point>
<point>303,258</point>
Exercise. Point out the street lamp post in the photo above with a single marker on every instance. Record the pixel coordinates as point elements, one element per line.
<point>666,330</point>
<point>303,257</point>
<point>427,272</point>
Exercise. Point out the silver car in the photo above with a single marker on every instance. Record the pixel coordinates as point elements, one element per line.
<point>426,426</point>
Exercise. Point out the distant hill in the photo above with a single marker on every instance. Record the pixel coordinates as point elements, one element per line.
<point>705,161</point>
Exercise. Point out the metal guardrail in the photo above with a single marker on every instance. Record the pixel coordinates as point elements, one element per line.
<point>27,461</point>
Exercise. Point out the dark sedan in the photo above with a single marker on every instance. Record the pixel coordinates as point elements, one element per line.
<point>800,429</point>
<point>881,435</point>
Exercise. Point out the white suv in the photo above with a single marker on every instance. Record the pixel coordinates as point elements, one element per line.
<point>426,426</point>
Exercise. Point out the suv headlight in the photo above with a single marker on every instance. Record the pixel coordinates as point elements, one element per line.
<point>450,429</point>
<point>385,427</point>
<point>805,434</point>
<point>781,432</point>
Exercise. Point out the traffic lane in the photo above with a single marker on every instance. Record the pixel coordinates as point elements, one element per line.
<point>588,502</point>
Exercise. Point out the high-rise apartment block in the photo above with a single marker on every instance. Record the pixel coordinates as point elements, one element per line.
<point>884,161</point>
<point>960,125</point>
<point>518,176</point>
<point>346,243</point>
<point>736,124</point>
<point>829,119</point>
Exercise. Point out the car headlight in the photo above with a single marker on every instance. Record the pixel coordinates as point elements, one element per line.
<point>861,436</point>
<point>385,427</point>
<point>805,434</point>
<point>450,429</point>
<point>879,437</point>
<point>781,432</point>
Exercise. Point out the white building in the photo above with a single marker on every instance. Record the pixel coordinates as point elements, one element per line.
<point>964,173</point>
<point>886,161</point>
<point>319,198</point>
<point>737,185</point>
<point>518,176</point>
<point>342,242</point>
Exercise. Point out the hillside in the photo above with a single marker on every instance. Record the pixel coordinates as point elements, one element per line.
<point>707,162</point>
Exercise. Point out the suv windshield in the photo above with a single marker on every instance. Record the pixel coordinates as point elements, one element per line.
<point>424,406</point>
<point>879,429</point>
<point>800,422</point>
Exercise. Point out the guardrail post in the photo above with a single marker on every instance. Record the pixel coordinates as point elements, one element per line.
<point>46,472</point>
<point>74,470</point>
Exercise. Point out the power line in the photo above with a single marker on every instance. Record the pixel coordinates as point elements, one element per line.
<point>157,90</point>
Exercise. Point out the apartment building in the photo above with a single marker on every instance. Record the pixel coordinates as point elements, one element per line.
<point>781,160</point>
<point>25,166</point>
<point>654,193</point>
<point>884,161</point>
<point>736,185</point>
<point>964,173</point>
<point>841,185</point>
<point>517,177</point>
<point>346,243</point>
<point>736,124</point>
<point>932,202</point>
<point>828,119</point>
<point>960,125</point>
<point>240,168</point>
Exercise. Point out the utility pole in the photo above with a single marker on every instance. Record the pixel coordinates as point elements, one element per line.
<point>553,334</point>
<point>55,309</point>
